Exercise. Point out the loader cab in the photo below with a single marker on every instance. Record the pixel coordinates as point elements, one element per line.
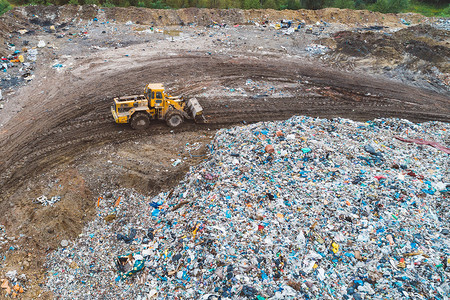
<point>155,95</point>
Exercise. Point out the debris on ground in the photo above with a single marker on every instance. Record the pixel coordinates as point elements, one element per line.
<point>316,49</point>
<point>335,209</point>
<point>128,265</point>
<point>420,49</point>
<point>45,201</point>
<point>13,285</point>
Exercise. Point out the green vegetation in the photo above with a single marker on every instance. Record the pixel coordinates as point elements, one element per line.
<point>430,10</point>
<point>425,7</point>
<point>4,6</point>
<point>344,4</point>
<point>390,6</point>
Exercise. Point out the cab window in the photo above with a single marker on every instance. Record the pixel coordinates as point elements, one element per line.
<point>158,95</point>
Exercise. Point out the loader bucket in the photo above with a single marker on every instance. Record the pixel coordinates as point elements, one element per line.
<point>196,110</point>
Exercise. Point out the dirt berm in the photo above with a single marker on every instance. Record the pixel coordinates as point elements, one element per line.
<point>33,17</point>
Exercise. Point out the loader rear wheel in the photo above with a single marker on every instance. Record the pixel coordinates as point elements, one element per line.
<point>140,121</point>
<point>174,119</point>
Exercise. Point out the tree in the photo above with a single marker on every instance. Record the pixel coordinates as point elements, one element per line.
<point>249,4</point>
<point>293,4</point>
<point>391,6</point>
<point>4,6</point>
<point>397,6</point>
<point>96,2</point>
<point>344,4</point>
<point>107,3</point>
<point>158,5</point>
<point>313,4</point>
<point>360,4</point>
<point>269,4</point>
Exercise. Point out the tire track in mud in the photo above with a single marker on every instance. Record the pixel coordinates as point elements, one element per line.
<point>78,118</point>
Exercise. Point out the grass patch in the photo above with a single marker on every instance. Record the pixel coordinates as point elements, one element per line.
<point>4,6</point>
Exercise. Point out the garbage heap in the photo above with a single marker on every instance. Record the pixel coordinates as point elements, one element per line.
<point>300,209</point>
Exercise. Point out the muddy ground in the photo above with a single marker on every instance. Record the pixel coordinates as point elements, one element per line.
<point>58,138</point>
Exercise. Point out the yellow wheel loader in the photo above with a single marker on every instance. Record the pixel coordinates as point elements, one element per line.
<point>155,104</point>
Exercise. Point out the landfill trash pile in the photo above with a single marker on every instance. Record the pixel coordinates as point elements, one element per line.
<point>304,208</point>
<point>443,24</point>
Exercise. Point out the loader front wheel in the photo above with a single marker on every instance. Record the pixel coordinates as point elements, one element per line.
<point>174,119</point>
<point>140,121</point>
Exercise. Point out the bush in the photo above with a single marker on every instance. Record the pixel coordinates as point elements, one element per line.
<point>293,4</point>
<point>38,2</point>
<point>445,12</point>
<point>313,4</point>
<point>397,6</point>
<point>344,4</point>
<point>249,4</point>
<point>381,6</point>
<point>269,4</point>
<point>159,5</point>
<point>4,6</point>
<point>360,4</point>
<point>391,6</point>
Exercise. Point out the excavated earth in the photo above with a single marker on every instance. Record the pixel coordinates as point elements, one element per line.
<point>58,138</point>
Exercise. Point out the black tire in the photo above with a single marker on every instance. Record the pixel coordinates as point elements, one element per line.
<point>140,121</point>
<point>174,119</point>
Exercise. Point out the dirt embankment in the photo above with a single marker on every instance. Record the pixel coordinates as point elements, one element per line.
<point>198,16</point>
<point>420,49</point>
<point>33,17</point>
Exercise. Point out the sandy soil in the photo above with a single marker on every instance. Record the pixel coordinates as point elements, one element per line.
<point>58,138</point>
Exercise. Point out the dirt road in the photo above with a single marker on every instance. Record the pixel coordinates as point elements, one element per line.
<point>76,115</point>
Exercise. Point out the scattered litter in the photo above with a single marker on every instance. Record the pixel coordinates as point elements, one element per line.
<point>31,54</point>
<point>404,22</point>
<point>45,201</point>
<point>41,44</point>
<point>176,162</point>
<point>316,49</point>
<point>130,264</point>
<point>289,31</point>
<point>127,239</point>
